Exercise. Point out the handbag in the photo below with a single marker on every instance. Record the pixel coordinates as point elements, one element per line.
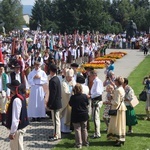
<point>134,101</point>
<point>113,112</point>
<point>143,95</point>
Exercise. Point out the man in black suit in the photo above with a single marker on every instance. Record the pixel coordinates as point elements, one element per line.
<point>54,102</point>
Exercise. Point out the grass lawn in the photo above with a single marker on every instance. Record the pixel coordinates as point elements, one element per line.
<point>139,140</point>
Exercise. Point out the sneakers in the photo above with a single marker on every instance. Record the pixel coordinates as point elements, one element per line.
<point>130,132</point>
<point>95,136</point>
<point>53,138</point>
<point>147,118</point>
<point>78,146</point>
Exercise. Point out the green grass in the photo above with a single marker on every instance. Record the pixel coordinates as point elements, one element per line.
<point>139,140</point>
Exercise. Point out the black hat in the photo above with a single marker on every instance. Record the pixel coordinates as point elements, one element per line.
<point>53,68</point>
<point>74,65</point>
<point>15,84</point>
<point>80,79</point>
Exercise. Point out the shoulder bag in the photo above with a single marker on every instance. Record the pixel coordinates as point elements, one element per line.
<point>113,112</point>
<point>143,95</point>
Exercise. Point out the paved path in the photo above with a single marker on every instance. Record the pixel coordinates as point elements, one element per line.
<point>37,133</point>
<point>125,65</point>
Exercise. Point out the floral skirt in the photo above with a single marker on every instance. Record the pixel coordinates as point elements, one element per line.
<point>131,119</point>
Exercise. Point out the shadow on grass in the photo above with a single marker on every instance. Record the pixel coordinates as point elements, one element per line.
<point>147,135</point>
<point>92,144</point>
<point>101,143</point>
<point>140,116</point>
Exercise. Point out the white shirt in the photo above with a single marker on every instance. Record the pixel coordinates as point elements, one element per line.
<point>86,49</point>
<point>97,88</point>
<point>17,77</point>
<point>85,89</point>
<point>16,110</point>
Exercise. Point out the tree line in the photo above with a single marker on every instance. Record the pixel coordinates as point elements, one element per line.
<point>82,15</point>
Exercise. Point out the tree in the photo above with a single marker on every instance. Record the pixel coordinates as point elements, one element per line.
<point>38,15</point>
<point>11,14</point>
<point>94,15</point>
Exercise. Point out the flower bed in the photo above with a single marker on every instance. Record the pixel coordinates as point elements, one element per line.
<point>99,63</point>
<point>104,59</point>
<point>123,53</point>
<point>95,66</point>
<point>114,56</point>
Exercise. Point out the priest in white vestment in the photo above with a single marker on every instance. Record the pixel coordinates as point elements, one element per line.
<point>36,106</point>
<point>65,113</point>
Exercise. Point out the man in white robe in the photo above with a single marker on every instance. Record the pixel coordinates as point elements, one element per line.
<point>36,106</point>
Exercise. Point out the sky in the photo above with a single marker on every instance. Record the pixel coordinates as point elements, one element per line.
<point>27,2</point>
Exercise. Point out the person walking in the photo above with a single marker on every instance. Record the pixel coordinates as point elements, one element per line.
<point>17,119</point>
<point>54,102</point>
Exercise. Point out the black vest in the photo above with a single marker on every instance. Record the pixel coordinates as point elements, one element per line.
<point>13,74</point>
<point>23,122</point>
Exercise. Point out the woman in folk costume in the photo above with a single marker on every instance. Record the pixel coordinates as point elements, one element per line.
<point>36,106</point>
<point>65,113</point>
<point>131,119</point>
<point>117,126</point>
<point>4,93</point>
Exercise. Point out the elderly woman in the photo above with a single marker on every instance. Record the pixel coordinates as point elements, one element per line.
<point>117,126</point>
<point>130,113</point>
<point>79,115</point>
<point>65,113</point>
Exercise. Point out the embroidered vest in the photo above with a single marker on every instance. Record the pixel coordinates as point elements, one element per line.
<point>23,121</point>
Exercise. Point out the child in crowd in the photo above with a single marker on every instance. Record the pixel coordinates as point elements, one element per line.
<point>107,103</point>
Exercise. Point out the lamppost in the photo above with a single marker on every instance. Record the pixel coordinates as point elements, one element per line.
<point>38,26</point>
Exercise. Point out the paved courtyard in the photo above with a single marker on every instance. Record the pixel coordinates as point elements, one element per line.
<point>38,132</point>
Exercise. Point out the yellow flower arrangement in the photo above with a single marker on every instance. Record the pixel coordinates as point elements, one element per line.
<point>124,53</point>
<point>95,66</point>
<point>99,63</point>
<point>104,59</point>
<point>116,56</point>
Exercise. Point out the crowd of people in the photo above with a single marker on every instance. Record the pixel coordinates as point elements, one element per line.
<point>45,68</point>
